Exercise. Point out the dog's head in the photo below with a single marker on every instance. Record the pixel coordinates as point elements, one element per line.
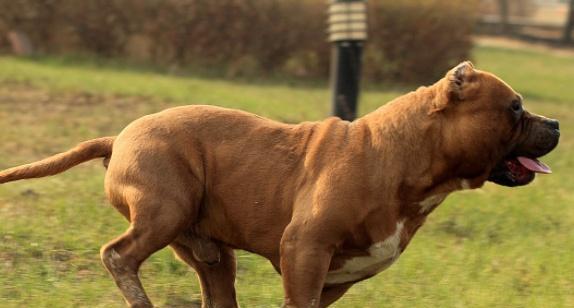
<point>487,126</point>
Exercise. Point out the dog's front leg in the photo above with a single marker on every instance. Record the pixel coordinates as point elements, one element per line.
<point>305,259</point>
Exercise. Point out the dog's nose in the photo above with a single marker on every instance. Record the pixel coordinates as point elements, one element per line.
<point>554,124</point>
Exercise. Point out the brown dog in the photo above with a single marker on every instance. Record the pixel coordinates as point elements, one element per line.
<point>329,203</point>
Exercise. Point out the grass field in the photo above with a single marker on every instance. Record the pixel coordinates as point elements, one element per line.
<point>493,247</point>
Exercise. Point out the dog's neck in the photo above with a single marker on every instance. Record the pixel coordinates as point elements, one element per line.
<point>425,177</point>
<point>406,137</point>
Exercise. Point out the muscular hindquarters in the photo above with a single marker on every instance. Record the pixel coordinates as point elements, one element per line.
<point>235,174</point>
<point>147,169</point>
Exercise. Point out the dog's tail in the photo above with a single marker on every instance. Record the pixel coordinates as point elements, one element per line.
<point>87,150</point>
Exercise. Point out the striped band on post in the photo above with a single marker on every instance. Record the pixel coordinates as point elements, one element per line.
<point>347,21</point>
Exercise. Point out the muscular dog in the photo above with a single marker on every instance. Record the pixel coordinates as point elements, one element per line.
<point>329,203</point>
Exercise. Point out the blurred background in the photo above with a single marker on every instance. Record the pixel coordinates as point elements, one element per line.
<point>75,70</point>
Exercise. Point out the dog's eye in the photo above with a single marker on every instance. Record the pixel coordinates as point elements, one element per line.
<point>516,106</point>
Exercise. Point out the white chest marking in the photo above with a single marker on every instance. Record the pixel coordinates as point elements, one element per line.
<point>381,256</point>
<point>465,184</point>
<point>430,202</point>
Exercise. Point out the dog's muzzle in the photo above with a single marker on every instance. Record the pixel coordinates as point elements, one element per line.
<point>521,165</point>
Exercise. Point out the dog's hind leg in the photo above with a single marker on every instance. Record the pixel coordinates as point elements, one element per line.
<point>217,279</point>
<point>156,228</point>
<point>332,293</point>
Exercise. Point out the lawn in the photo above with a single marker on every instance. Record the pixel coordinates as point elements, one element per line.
<point>493,247</point>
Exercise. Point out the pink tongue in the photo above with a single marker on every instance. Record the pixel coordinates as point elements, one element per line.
<point>533,164</point>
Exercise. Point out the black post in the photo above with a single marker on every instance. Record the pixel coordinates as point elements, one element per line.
<point>347,32</point>
<point>567,35</point>
<point>503,12</point>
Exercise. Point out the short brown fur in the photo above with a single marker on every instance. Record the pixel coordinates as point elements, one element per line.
<point>308,197</point>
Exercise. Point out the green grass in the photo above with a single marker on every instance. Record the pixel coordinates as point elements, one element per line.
<point>494,247</point>
<point>535,74</point>
<point>292,101</point>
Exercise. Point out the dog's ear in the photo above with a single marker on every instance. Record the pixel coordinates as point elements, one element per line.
<point>459,79</point>
<point>459,84</point>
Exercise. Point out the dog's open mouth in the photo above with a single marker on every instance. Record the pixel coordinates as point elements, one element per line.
<point>517,171</point>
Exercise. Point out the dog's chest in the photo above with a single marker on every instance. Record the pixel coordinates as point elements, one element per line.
<point>378,258</point>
